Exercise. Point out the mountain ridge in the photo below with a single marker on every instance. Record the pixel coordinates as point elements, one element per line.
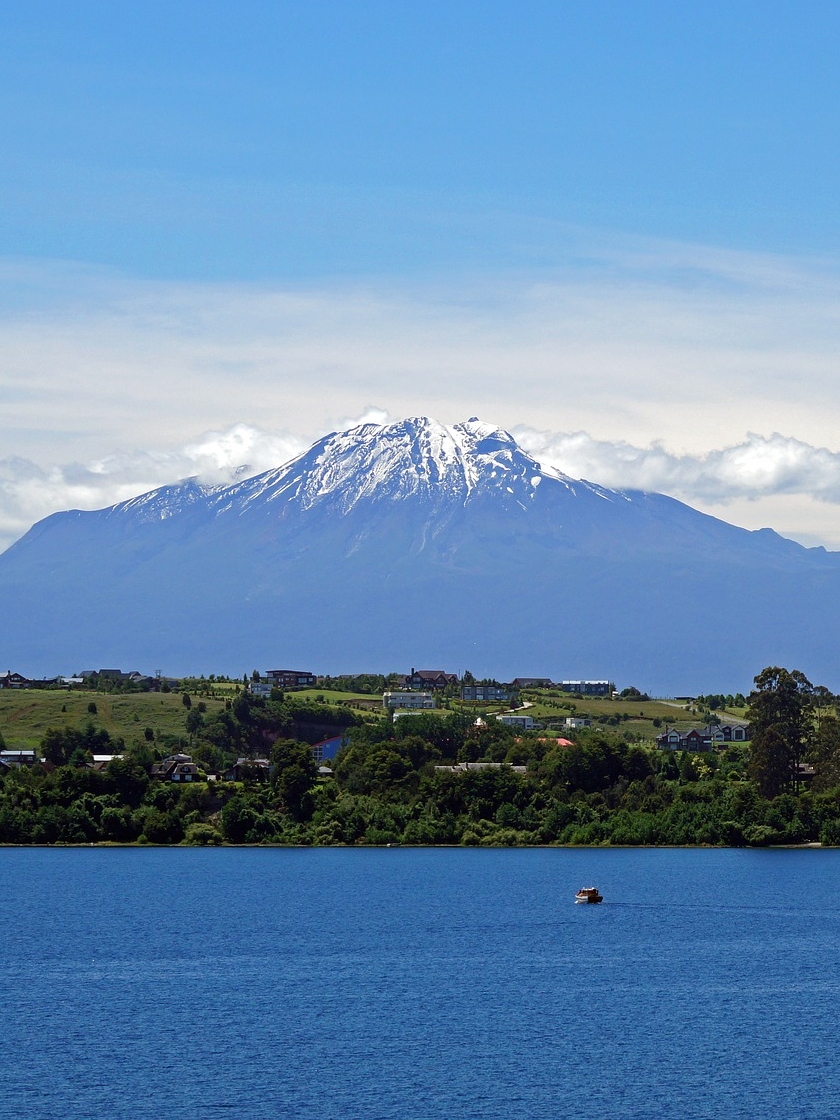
<point>418,541</point>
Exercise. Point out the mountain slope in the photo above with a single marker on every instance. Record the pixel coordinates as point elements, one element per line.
<point>411,543</point>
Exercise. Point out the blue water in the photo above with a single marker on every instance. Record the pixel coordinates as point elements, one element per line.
<point>418,983</point>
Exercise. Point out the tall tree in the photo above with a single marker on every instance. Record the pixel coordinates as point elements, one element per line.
<point>769,765</point>
<point>782,701</point>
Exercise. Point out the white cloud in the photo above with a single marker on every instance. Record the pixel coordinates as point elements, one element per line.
<point>759,467</point>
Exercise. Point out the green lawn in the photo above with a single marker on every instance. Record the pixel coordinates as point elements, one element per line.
<point>333,696</point>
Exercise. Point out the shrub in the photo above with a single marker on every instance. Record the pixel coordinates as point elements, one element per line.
<point>203,835</point>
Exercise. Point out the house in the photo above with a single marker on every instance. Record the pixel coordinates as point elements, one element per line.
<point>327,748</point>
<point>524,723</point>
<point>248,770</point>
<point>19,758</point>
<point>430,678</point>
<point>290,678</point>
<point>804,773</point>
<point>531,682</point>
<point>14,680</point>
<point>176,768</point>
<point>735,732</point>
<point>486,693</point>
<point>587,688</point>
<point>573,722</point>
<point>407,700</point>
<point>261,688</point>
<point>702,738</point>
<point>118,677</point>
<point>669,740</point>
<point>103,761</point>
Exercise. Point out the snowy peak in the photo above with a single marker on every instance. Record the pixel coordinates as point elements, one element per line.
<point>392,461</point>
<point>493,459</point>
<point>416,457</point>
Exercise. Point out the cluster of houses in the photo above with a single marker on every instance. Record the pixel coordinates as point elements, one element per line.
<point>90,677</point>
<point>418,680</point>
<point>182,768</point>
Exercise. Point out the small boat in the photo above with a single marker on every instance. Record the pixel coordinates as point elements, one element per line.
<point>589,894</point>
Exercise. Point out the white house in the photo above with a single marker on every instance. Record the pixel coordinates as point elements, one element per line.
<point>408,700</point>
<point>524,723</point>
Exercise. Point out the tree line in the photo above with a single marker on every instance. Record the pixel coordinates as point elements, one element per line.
<point>782,788</point>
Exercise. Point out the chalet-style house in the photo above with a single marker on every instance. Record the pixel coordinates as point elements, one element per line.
<point>435,679</point>
<point>14,680</point>
<point>175,768</point>
<point>17,680</point>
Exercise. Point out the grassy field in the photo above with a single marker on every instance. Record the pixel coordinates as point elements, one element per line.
<point>635,715</point>
<point>26,715</point>
<point>333,696</point>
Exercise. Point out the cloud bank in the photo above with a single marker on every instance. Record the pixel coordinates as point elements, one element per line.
<point>759,467</point>
<point>29,492</point>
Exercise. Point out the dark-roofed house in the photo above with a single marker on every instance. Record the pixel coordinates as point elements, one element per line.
<point>702,738</point>
<point>176,768</point>
<point>14,680</point>
<point>430,678</point>
<point>691,739</point>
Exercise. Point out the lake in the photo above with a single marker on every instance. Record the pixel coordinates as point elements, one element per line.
<point>419,983</point>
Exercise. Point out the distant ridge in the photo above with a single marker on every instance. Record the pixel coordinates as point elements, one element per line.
<point>419,542</point>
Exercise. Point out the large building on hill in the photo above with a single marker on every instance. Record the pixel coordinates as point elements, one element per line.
<point>587,688</point>
<point>290,678</point>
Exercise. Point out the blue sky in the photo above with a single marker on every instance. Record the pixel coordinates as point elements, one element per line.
<point>286,140</point>
<point>611,226</point>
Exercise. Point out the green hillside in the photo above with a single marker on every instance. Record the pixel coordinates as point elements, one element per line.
<point>26,715</point>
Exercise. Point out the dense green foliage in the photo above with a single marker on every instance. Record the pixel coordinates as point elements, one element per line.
<point>385,787</point>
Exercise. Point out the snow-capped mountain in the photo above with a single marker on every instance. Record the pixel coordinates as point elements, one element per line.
<point>391,545</point>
